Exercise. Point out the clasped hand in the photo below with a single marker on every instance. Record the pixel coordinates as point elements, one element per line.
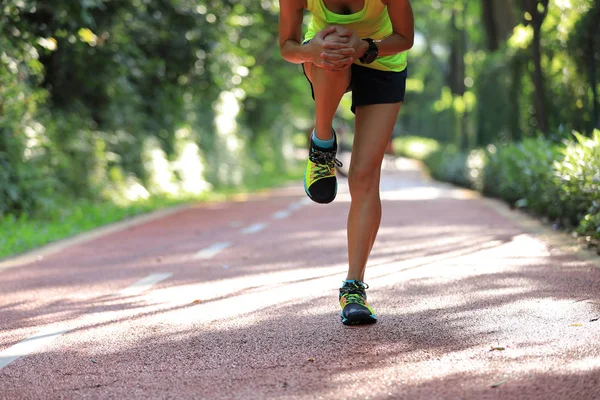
<point>335,48</point>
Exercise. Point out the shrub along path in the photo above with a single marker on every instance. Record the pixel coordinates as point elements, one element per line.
<point>237,300</point>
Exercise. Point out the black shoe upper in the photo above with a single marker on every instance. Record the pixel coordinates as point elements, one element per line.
<point>324,190</point>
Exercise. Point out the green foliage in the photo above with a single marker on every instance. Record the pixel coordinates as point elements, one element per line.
<point>498,84</point>
<point>448,164</point>
<point>68,218</point>
<point>94,93</point>
<point>522,174</point>
<point>578,180</point>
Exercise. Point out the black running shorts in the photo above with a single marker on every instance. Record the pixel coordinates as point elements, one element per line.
<point>372,86</point>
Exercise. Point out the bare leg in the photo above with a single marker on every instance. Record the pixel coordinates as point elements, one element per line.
<point>373,129</point>
<point>329,87</point>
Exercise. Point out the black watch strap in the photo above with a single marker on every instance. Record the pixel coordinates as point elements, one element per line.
<point>371,53</point>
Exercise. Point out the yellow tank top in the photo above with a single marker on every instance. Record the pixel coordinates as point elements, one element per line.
<point>373,21</point>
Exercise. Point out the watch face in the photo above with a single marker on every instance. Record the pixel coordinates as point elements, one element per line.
<point>371,54</point>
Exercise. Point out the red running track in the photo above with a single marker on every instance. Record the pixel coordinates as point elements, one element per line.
<point>256,317</point>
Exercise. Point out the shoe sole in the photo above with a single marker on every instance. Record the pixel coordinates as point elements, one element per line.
<point>363,320</point>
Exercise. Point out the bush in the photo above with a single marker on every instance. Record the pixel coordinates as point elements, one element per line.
<point>449,164</point>
<point>578,180</point>
<point>522,174</point>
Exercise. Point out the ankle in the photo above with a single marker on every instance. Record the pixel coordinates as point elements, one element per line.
<point>350,280</point>
<point>320,142</point>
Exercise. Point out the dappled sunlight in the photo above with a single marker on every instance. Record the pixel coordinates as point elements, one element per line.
<point>315,238</point>
<point>409,349</point>
<point>241,284</point>
<point>413,194</point>
<point>237,297</point>
<point>134,190</point>
<point>189,165</point>
<point>157,165</point>
<point>591,364</point>
<point>182,176</point>
<point>227,109</point>
<point>415,189</point>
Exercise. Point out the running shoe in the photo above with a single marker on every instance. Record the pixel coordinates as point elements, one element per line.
<point>320,182</point>
<point>353,300</point>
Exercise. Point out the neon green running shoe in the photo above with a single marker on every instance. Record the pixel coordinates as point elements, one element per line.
<point>320,183</point>
<point>353,300</point>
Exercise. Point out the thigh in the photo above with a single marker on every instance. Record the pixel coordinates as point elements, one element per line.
<point>307,68</point>
<point>373,128</point>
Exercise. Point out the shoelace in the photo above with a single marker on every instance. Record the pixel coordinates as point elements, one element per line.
<point>325,161</point>
<point>355,294</point>
<point>355,299</point>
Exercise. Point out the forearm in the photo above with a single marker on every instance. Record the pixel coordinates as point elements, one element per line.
<point>393,44</point>
<point>294,52</point>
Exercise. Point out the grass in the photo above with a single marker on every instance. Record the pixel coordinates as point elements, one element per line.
<point>23,233</point>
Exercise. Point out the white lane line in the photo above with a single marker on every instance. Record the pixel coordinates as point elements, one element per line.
<point>144,284</point>
<point>211,251</point>
<point>253,229</point>
<point>282,214</point>
<point>31,345</point>
<point>299,204</point>
<point>295,206</point>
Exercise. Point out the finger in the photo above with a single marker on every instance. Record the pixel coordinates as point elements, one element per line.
<point>342,31</point>
<point>345,61</point>
<point>336,64</point>
<point>324,32</point>
<point>335,45</point>
<point>333,56</point>
<point>341,28</point>
<point>344,51</point>
<point>337,41</point>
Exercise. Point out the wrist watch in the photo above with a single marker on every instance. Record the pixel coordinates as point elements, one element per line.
<point>371,53</point>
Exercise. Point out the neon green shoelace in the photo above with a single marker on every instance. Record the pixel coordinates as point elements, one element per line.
<point>325,161</point>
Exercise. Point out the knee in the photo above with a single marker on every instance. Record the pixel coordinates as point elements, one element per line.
<point>330,76</point>
<point>363,180</point>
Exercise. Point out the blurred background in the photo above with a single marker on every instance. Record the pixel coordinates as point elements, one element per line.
<point>109,108</point>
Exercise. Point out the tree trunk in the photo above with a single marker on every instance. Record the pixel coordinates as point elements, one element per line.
<point>539,94</point>
<point>490,24</point>
<point>504,17</point>
<point>456,74</point>
<point>594,83</point>
<point>499,21</point>
<point>513,97</point>
<point>537,15</point>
